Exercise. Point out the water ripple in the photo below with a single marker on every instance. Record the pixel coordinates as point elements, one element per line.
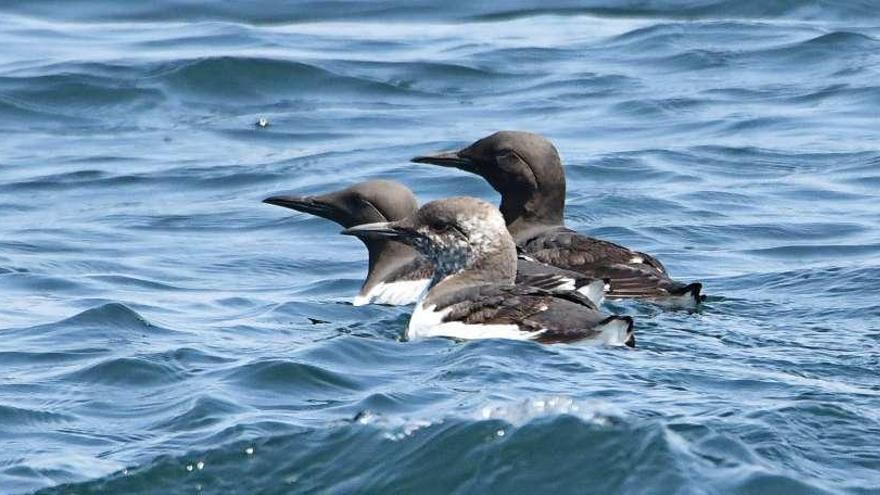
<point>165,331</point>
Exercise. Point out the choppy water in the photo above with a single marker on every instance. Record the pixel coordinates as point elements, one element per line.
<point>158,327</point>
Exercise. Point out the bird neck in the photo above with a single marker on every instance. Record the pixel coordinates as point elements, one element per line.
<point>495,267</point>
<point>385,258</point>
<point>534,198</point>
<point>527,216</point>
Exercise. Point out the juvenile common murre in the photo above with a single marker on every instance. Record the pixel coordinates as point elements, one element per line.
<point>473,294</point>
<point>526,170</point>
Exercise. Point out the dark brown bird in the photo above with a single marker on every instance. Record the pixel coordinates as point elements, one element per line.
<point>526,170</point>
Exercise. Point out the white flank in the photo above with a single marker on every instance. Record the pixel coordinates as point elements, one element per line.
<point>393,293</point>
<point>684,301</point>
<point>426,322</point>
<point>612,333</point>
<point>566,283</point>
<point>637,259</point>
<point>594,291</point>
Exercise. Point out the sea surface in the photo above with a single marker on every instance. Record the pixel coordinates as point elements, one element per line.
<point>162,331</point>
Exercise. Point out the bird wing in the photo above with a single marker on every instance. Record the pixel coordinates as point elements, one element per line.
<point>539,275</point>
<point>638,281</point>
<point>530,308</point>
<point>568,249</point>
<point>495,305</point>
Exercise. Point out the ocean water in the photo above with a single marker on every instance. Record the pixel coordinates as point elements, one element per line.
<point>163,331</point>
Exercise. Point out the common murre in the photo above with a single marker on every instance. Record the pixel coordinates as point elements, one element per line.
<point>473,293</point>
<point>397,275</point>
<point>526,170</point>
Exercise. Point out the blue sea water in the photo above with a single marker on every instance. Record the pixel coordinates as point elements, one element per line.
<point>162,331</point>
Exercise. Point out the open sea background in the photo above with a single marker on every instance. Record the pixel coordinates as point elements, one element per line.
<point>162,331</point>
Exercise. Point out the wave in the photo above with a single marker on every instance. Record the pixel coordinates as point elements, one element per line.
<point>292,378</point>
<point>201,413</point>
<point>24,281</point>
<point>101,94</point>
<point>135,282</point>
<point>260,80</point>
<point>842,41</point>
<point>805,252</point>
<point>16,113</point>
<point>190,323</point>
<point>109,323</point>
<point>17,417</point>
<point>558,453</point>
<point>268,12</point>
<point>694,9</point>
<point>112,315</point>
<point>833,49</point>
<point>72,98</point>
<point>869,96</point>
<point>822,282</point>
<point>83,91</point>
<point>127,372</point>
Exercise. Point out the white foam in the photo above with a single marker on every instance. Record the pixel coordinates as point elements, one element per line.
<point>518,413</point>
<point>396,428</point>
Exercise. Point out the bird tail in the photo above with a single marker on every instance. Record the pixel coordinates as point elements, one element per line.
<point>592,288</point>
<point>617,330</point>
<point>684,296</point>
<point>692,289</point>
<point>644,284</point>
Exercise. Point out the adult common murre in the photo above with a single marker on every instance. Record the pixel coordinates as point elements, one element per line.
<point>473,294</point>
<point>397,275</point>
<point>526,170</point>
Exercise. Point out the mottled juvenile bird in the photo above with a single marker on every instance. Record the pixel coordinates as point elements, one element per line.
<point>473,293</point>
<point>526,170</point>
<point>397,275</point>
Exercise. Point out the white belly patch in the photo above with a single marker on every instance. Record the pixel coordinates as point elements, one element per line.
<point>684,301</point>
<point>426,322</point>
<point>393,293</point>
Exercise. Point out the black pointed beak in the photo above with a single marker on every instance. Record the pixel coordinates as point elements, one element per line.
<point>446,159</point>
<point>305,204</point>
<point>387,230</point>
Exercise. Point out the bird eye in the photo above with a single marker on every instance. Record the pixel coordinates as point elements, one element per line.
<point>440,228</point>
<point>505,156</point>
<point>366,205</point>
